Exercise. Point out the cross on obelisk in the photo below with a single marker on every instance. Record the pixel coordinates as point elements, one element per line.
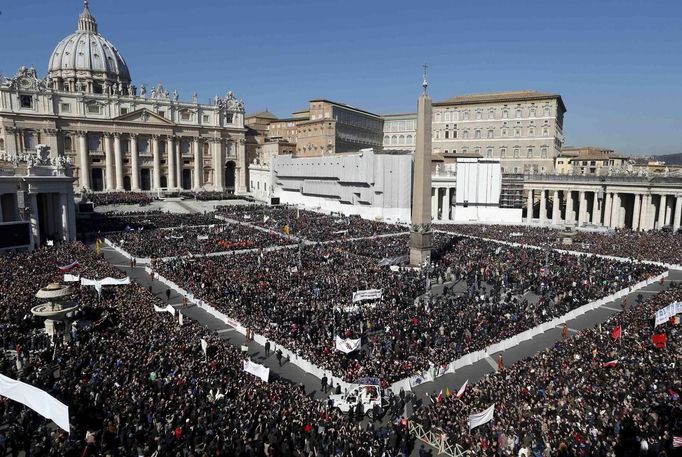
<point>421,237</point>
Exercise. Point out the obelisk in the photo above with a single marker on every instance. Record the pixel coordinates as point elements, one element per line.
<point>421,237</point>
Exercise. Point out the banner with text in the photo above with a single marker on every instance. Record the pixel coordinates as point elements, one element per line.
<point>257,370</point>
<point>347,345</point>
<point>369,294</point>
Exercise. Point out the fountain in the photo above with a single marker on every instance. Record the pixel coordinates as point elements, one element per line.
<point>58,311</point>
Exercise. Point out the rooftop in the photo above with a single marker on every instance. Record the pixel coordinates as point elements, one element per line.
<point>511,96</point>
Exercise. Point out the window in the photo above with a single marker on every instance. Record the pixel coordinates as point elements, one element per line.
<point>503,153</point>
<point>479,115</point>
<point>205,118</point>
<point>93,108</point>
<point>517,132</point>
<point>401,139</point>
<point>409,139</point>
<point>29,140</point>
<point>517,153</point>
<point>491,114</point>
<point>229,118</point>
<point>532,112</point>
<point>387,139</point>
<point>142,145</point>
<point>545,131</point>
<point>26,101</point>
<point>466,135</point>
<point>124,111</point>
<point>68,143</point>
<point>447,116</point>
<point>185,116</point>
<point>477,151</point>
<point>94,142</point>
<point>489,152</point>
<point>547,111</point>
<point>504,132</point>
<point>65,108</point>
<point>447,134</point>
<point>530,153</point>
<point>505,114</point>
<point>466,115</point>
<point>477,134</point>
<point>543,152</point>
<point>491,133</point>
<point>518,113</point>
<point>531,131</point>
<point>162,113</point>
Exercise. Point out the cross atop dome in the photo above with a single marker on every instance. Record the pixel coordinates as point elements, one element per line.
<point>86,21</point>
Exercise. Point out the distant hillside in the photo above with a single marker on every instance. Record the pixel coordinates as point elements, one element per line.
<point>670,159</point>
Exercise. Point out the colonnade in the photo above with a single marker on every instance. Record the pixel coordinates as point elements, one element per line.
<point>441,202</point>
<point>609,207</point>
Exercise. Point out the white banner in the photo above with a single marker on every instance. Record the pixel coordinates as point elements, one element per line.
<point>663,315</point>
<point>168,309</point>
<point>421,379</point>
<point>72,278</point>
<point>202,237</point>
<point>38,400</point>
<point>98,283</point>
<point>481,418</point>
<point>181,319</point>
<point>204,345</point>
<point>347,345</point>
<point>369,294</point>
<point>257,370</point>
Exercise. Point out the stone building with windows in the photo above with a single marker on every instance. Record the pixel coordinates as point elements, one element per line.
<point>589,161</point>
<point>118,136</point>
<point>523,129</point>
<point>400,131</point>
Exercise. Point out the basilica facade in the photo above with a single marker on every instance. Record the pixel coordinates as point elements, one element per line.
<point>117,136</point>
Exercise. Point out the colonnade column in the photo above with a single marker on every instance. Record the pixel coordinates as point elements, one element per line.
<point>134,163</point>
<point>109,161</point>
<point>198,165</point>
<point>570,211</point>
<point>608,207</point>
<point>118,157</point>
<point>178,162</point>
<point>157,162</point>
<point>529,206</point>
<point>84,174</point>
<point>636,210</point>
<point>556,208</point>
<point>676,213</point>
<point>170,153</point>
<point>661,212</point>
<point>596,213</point>
<point>543,207</point>
<point>445,212</point>
<point>645,213</point>
<point>617,208</point>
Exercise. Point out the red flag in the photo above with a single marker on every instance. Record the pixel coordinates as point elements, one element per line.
<point>440,396</point>
<point>461,390</point>
<point>616,333</point>
<point>69,267</point>
<point>610,364</point>
<point>659,340</point>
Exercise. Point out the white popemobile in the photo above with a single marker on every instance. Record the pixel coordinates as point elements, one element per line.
<point>367,393</point>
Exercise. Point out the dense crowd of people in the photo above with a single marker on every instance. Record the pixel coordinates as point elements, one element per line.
<point>655,245</point>
<point>131,220</point>
<point>159,243</point>
<point>302,298</point>
<point>590,395</point>
<point>139,384</point>
<point>207,195</point>
<point>119,198</point>
<point>307,224</point>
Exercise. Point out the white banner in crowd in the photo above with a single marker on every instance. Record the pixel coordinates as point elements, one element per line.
<point>204,345</point>
<point>369,294</point>
<point>72,278</point>
<point>257,370</point>
<point>38,400</point>
<point>481,418</point>
<point>168,309</point>
<point>98,283</point>
<point>663,315</point>
<point>202,237</point>
<point>420,379</point>
<point>181,319</point>
<point>347,345</point>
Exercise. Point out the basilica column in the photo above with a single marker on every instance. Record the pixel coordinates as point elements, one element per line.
<point>170,154</point>
<point>198,165</point>
<point>109,161</point>
<point>240,172</point>
<point>218,164</point>
<point>34,218</point>
<point>157,162</point>
<point>64,210</point>
<point>529,207</point>
<point>636,209</point>
<point>556,208</point>
<point>84,172</point>
<point>118,158</point>
<point>134,163</point>
<point>661,212</point>
<point>596,213</point>
<point>543,207</point>
<point>570,210</point>
<point>178,163</point>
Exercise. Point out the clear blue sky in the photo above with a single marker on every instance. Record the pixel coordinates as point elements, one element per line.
<point>617,63</point>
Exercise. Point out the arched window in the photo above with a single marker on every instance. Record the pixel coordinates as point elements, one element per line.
<point>409,139</point>
<point>394,139</point>
<point>387,139</point>
<point>401,139</point>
